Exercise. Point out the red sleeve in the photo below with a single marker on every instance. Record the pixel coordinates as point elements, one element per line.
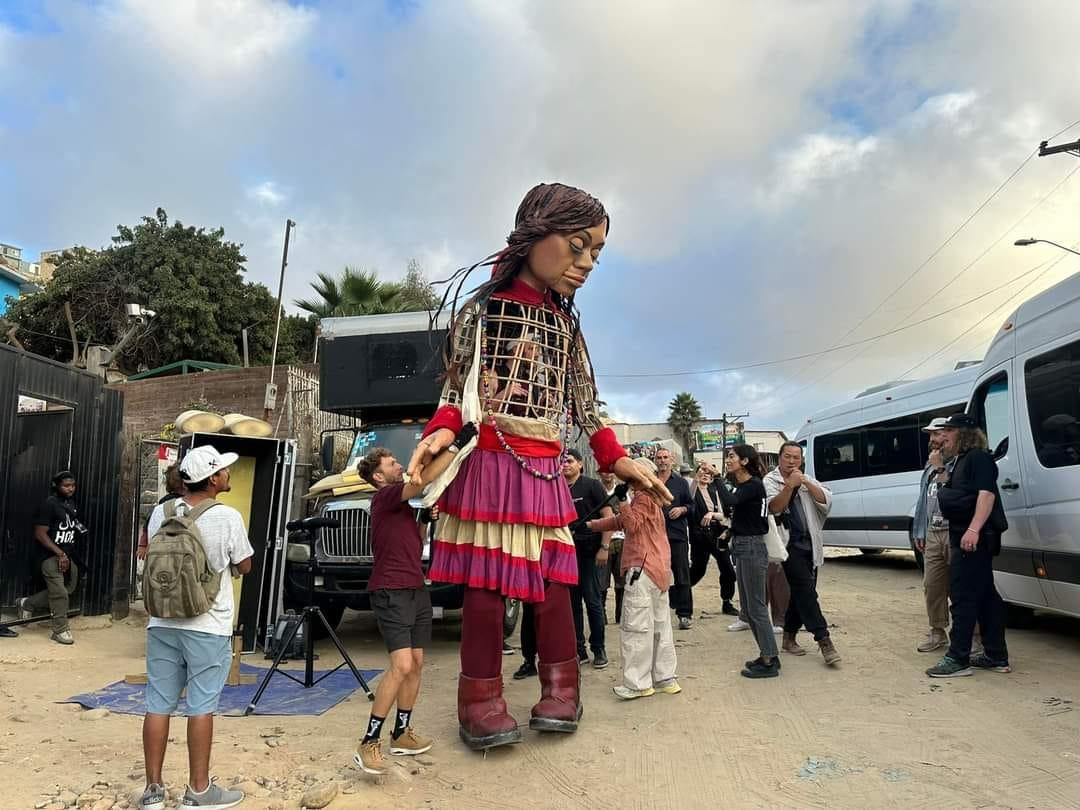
<point>448,416</point>
<point>605,447</point>
<point>608,524</point>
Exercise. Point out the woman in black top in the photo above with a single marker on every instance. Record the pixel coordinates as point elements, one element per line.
<point>706,531</point>
<point>745,495</point>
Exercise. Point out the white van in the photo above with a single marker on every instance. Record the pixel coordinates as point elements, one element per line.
<point>1027,398</point>
<point>871,451</point>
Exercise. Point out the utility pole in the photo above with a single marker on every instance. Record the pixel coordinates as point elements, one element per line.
<point>1064,148</point>
<point>270,401</point>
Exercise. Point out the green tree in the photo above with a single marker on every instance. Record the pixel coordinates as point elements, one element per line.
<point>191,277</point>
<point>360,292</point>
<point>683,411</point>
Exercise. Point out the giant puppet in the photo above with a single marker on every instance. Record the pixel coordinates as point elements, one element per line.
<point>517,364</point>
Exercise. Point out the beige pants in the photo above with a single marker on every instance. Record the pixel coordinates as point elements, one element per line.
<point>648,647</point>
<point>936,578</point>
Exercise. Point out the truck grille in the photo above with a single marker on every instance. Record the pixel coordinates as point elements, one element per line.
<point>353,539</point>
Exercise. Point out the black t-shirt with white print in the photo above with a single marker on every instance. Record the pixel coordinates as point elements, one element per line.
<point>60,516</point>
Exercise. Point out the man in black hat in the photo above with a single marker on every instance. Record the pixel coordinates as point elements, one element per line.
<point>969,500</point>
<point>59,534</point>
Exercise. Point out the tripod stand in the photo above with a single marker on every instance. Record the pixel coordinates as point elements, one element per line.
<point>311,614</point>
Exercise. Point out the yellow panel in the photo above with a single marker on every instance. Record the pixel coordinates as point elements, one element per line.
<point>242,480</point>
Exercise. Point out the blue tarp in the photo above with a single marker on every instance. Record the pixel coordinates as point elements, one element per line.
<point>282,696</point>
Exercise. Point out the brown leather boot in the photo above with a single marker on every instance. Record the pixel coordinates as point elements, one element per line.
<point>828,651</point>
<point>483,721</point>
<point>791,646</point>
<point>560,707</point>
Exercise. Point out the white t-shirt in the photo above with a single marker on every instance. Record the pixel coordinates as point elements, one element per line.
<point>226,542</point>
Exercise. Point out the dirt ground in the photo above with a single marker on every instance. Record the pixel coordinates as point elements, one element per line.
<point>875,732</point>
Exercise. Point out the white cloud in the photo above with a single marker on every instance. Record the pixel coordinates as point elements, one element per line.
<point>267,193</point>
<point>773,170</point>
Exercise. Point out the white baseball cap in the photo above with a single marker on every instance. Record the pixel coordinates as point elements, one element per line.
<point>936,423</point>
<point>202,462</point>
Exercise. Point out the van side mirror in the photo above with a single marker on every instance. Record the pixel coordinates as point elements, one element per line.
<point>326,452</point>
<point>1002,449</point>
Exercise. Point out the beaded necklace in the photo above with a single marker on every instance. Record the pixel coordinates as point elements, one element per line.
<point>490,413</point>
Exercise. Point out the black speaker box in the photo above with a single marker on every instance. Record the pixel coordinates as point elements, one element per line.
<point>379,377</point>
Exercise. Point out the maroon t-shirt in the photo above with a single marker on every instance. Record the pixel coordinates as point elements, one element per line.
<point>395,542</point>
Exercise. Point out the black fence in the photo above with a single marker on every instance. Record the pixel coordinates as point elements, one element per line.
<point>55,417</point>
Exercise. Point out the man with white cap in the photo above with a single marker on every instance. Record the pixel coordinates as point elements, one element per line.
<point>194,652</point>
<point>930,531</point>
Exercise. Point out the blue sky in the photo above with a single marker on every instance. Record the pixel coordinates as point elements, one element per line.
<point>774,171</point>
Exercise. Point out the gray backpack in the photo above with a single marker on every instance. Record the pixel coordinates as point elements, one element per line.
<point>178,582</point>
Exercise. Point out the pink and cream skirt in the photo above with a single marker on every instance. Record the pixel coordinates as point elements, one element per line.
<point>503,529</point>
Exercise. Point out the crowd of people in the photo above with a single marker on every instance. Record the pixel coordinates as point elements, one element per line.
<point>518,519</point>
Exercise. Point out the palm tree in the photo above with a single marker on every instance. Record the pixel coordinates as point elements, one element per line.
<point>357,292</point>
<point>683,411</point>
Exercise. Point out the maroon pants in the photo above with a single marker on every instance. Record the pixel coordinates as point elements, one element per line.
<point>482,630</point>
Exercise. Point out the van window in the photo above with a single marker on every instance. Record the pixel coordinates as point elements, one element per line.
<point>837,456</point>
<point>1052,385</point>
<point>992,409</point>
<point>892,447</point>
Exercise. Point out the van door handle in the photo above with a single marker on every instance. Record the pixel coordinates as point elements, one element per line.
<point>1009,484</point>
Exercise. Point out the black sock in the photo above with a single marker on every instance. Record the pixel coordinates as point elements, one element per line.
<point>402,721</point>
<point>374,728</point>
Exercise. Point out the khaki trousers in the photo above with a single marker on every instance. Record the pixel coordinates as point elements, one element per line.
<point>936,578</point>
<point>58,590</point>
<point>648,647</point>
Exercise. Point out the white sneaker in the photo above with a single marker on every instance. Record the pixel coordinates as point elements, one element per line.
<point>778,630</point>
<point>738,625</point>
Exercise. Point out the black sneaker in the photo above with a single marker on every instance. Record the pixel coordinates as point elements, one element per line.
<point>507,649</point>
<point>984,661</point>
<point>526,670</point>
<point>758,662</point>
<point>759,669</point>
<point>599,660</point>
<point>582,657</point>
<point>729,609</point>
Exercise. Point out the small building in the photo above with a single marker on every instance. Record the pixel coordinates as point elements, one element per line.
<point>13,285</point>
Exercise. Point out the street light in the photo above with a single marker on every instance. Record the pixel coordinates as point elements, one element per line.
<point>1026,242</point>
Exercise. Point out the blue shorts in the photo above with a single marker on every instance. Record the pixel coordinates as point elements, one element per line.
<point>178,659</point>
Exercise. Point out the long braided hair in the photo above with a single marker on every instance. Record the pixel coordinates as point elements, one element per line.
<point>546,209</point>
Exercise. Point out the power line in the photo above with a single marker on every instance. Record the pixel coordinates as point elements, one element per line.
<point>939,249</point>
<point>859,342</point>
<point>949,283</point>
<point>985,318</point>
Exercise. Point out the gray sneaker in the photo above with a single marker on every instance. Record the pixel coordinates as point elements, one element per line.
<point>214,797</point>
<point>25,611</point>
<point>63,637</point>
<point>153,798</point>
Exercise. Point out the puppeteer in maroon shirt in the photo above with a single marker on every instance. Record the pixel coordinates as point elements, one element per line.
<point>395,542</point>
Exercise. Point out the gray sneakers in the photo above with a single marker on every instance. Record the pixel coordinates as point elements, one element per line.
<point>63,637</point>
<point>214,797</point>
<point>153,798</point>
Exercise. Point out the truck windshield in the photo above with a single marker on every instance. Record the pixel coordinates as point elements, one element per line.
<point>399,439</point>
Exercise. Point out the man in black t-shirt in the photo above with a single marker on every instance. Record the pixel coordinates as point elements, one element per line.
<point>58,533</point>
<point>970,501</point>
<point>592,556</point>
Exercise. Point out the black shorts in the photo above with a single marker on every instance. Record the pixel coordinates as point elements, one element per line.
<point>404,617</point>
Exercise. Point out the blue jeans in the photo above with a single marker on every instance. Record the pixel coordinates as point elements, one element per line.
<point>751,569</point>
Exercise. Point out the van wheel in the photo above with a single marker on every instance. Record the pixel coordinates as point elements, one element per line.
<point>871,551</point>
<point>1018,616</point>
<point>511,614</point>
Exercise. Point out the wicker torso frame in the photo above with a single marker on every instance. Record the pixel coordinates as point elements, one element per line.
<point>532,364</point>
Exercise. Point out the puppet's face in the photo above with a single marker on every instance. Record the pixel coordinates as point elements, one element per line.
<point>562,261</point>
